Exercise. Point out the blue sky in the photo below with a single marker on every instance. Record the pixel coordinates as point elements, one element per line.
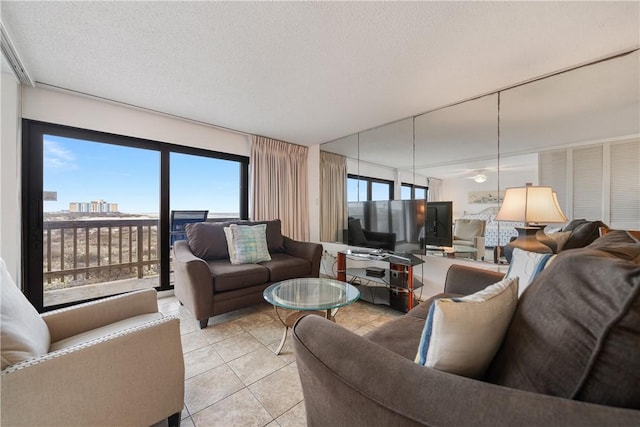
<point>81,171</point>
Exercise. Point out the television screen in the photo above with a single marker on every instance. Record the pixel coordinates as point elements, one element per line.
<point>393,225</point>
<point>439,226</point>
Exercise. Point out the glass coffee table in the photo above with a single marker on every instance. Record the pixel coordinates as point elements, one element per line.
<point>452,251</point>
<point>310,295</point>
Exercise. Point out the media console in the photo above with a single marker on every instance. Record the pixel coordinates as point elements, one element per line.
<point>397,281</point>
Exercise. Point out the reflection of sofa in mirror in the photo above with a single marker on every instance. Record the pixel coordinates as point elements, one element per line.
<point>470,232</point>
<point>358,236</point>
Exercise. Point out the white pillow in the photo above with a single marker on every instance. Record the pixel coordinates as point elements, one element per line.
<point>24,334</point>
<point>526,266</point>
<point>462,335</point>
<point>247,244</point>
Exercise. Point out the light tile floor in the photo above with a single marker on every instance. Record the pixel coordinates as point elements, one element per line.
<point>232,375</point>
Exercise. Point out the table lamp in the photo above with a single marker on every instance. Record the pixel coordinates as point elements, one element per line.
<point>535,207</point>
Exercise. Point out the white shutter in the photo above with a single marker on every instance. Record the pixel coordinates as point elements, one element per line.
<point>552,167</point>
<point>587,183</point>
<point>625,185</point>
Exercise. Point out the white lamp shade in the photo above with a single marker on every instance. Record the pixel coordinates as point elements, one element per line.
<point>531,204</point>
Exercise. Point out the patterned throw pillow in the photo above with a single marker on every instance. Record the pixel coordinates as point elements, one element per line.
<point>247,243</point>
<point>462,335</point>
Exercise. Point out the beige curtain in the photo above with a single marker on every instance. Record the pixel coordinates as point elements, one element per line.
<point>333,196</point>
<point>279,188</point>
<point>435,190</point>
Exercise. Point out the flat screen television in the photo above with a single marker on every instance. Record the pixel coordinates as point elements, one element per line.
<point>392,225</point>
<point>439,224</point>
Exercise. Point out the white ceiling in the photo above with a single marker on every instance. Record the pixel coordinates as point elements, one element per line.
<point>308,72</point>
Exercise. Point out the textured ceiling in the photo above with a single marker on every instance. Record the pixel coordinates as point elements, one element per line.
<point>308,72</point>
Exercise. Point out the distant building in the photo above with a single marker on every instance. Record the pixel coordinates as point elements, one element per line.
<point>94,206</point>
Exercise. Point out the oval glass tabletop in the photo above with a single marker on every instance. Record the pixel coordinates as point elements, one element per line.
<point>311,293</point>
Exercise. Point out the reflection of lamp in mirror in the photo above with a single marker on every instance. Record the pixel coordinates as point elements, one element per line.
<point>535,207</point>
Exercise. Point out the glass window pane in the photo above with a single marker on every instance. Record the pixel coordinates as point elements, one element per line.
<point>380,191</point>
<point>405,192</point>
<point>421,193</point>
<point>100,212</point>
<point>205,183</point>
<point>356,190</point>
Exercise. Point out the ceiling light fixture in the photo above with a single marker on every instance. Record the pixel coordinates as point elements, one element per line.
<point>480,178</point>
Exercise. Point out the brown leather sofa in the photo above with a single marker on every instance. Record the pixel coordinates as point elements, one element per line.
<point>206,282</point>
<point>571,355</point>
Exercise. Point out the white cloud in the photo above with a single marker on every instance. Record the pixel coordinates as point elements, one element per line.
<point>58,157</point>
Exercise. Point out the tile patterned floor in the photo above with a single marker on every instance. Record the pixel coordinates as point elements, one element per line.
<point>232,375</point>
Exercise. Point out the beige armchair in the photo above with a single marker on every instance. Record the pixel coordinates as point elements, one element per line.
<point>116,361</point>
<point>470,232</point>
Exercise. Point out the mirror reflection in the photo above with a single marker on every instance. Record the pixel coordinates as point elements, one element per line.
<point>576,131</point>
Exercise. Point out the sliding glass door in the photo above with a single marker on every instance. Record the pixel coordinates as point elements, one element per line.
<point>100,217</point>
<point>96,209</point>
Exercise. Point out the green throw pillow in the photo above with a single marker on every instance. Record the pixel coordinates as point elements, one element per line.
<point>247,243</point>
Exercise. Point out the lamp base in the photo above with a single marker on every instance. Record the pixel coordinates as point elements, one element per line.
<point>527,241</point>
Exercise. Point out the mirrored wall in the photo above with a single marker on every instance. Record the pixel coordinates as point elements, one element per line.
<point>576,131</point>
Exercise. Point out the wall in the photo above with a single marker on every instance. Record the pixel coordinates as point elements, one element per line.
<point>89,113</point>
<point>514,172</point>
<point>9,176</point>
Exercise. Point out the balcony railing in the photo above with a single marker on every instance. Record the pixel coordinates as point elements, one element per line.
<point>82,252</point>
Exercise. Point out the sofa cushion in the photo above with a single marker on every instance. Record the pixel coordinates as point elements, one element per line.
<point>558,239</point>
<point>526,266</point>
<point>275,239</point>
<point>468,229</point>
<point>576,332</point>
<point>356,233</point>
<point>462,335</point>
<point>24,334</point>
<point>583,232</point>
<point>283,267</point>
<point>247,244</point>
<point>401,335</point>
<point>207,240</point>
<point>227,276</point>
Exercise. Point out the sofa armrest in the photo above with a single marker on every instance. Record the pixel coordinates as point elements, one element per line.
<point>193,281</point>
<point>66,322</point>
<point>464,280</point>
<point>306,250</point>
<point>135,377</point>
<point>478,243</point>
<point>349,380</point>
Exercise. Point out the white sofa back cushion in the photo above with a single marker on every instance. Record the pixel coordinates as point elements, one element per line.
<point>24,334</point>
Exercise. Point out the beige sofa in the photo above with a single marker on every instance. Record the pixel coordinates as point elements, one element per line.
<point>208,284</point>
<point>115,361</point>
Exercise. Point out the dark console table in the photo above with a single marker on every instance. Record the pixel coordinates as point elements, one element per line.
<point>397,280</point>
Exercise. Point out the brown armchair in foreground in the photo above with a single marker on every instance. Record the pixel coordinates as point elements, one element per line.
<point>115,361</point>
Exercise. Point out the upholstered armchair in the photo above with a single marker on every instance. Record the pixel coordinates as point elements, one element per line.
<point>470,232</point>
<point>115,361</point>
